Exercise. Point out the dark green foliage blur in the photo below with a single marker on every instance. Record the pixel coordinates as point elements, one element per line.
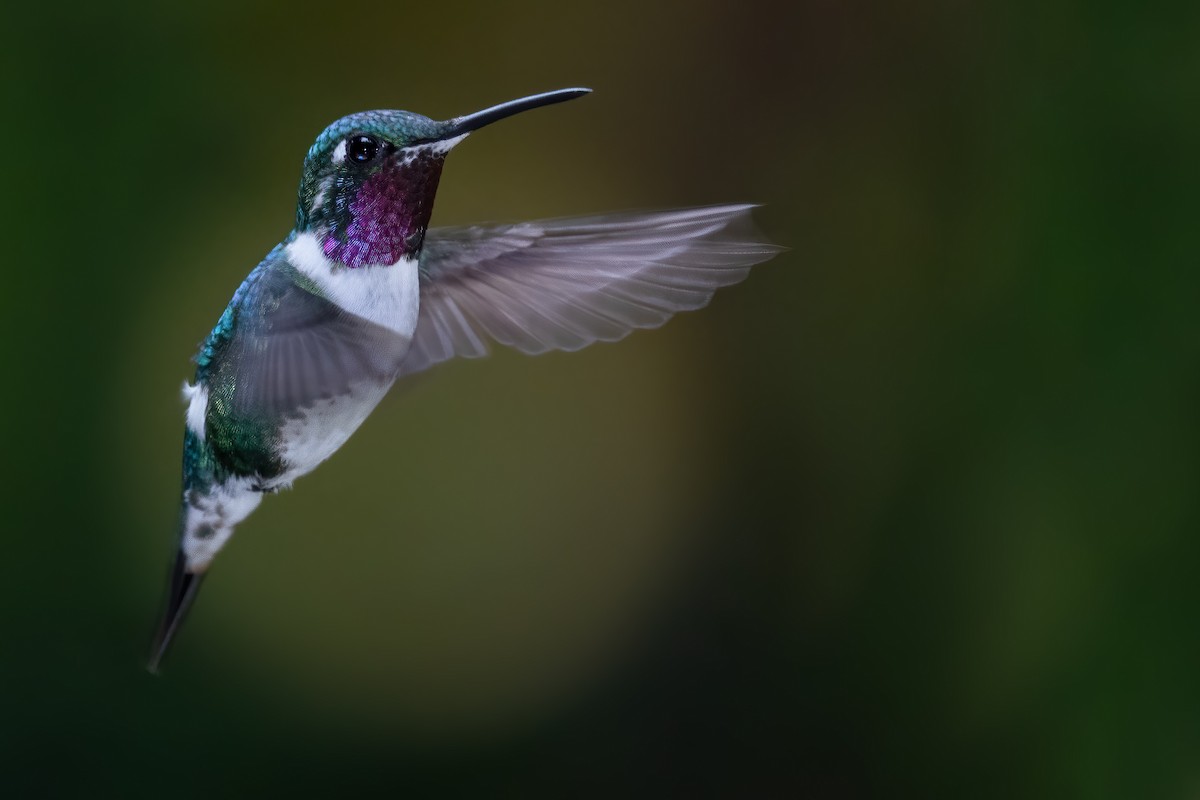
<point>913,511</point>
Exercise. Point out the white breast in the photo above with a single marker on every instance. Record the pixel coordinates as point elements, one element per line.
<point>388,295</point>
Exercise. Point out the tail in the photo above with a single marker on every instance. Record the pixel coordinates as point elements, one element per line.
<point>180,594</point>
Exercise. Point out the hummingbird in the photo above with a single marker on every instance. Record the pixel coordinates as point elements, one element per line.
<point>363,293</point>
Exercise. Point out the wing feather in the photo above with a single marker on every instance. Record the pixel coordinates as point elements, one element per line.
<point>564,284</point>
<point>282,346</point>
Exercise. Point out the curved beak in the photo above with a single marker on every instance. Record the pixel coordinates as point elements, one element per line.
<point>461,126</point>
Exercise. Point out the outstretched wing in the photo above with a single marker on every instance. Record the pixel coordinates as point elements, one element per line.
<point>563,284</point>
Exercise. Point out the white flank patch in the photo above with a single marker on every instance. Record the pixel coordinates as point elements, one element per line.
<point>197,399</point>
<point>388,295</point>
<point>325,426</point>
<point>211,519</point>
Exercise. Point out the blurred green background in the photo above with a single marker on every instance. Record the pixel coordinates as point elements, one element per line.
<point>913,511</point>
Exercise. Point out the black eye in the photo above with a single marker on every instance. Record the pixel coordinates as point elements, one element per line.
<point>362,148</point>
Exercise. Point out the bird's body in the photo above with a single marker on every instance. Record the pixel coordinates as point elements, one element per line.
<point>361,293</point>
<point>249,429</point>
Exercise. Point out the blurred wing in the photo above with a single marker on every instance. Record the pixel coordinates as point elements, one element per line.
<point>563,284</point>
<point>281,346</point>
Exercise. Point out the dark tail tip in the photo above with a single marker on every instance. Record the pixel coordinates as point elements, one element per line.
<point>180,594</point>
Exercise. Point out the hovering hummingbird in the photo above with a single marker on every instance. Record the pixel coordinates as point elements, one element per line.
<point>361,294</point>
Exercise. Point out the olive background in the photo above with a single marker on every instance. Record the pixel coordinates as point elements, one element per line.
<point>913,511</point>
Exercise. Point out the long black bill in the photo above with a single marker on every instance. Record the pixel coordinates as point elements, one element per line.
<point>473,122</point>
<point>180,594</point>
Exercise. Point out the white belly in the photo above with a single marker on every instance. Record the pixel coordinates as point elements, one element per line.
<point>321,429</point>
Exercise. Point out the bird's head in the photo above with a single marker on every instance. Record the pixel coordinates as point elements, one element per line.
<point>369,180</point>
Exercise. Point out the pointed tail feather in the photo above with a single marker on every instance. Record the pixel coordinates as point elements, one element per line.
<point>180,594</point>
